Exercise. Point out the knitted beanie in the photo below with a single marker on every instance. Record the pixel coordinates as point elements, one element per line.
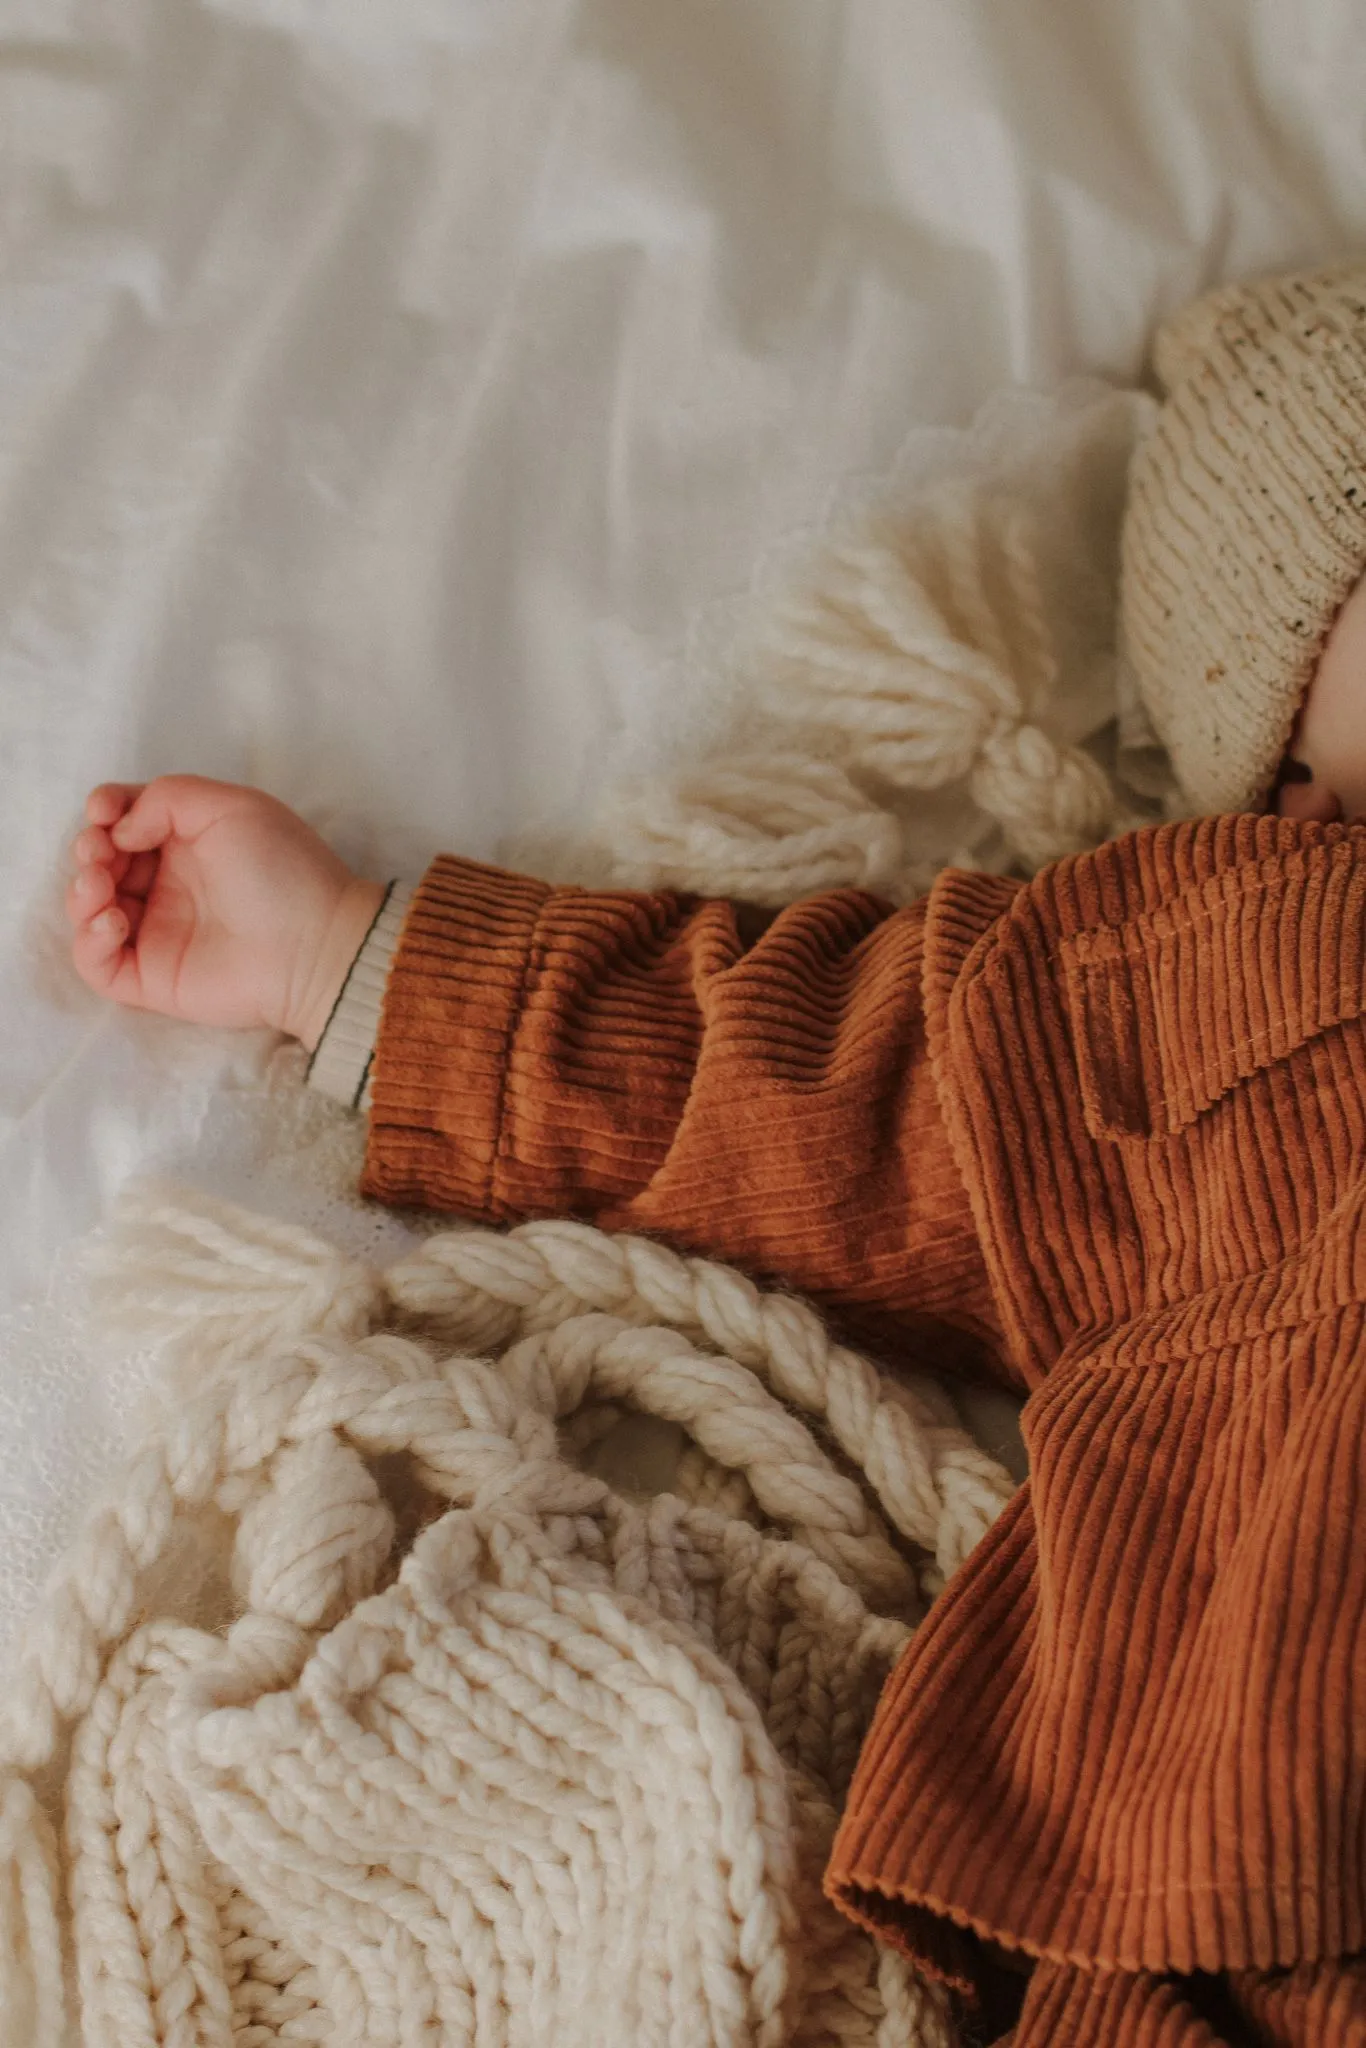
<point>1246,525</point>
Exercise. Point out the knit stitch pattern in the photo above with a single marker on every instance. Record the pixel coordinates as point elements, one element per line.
<point>1246,527</point>
<point>487,1751</point>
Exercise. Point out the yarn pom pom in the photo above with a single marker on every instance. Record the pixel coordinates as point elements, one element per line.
<point>182,1273</point>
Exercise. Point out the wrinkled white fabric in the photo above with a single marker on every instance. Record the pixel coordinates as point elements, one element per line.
<point>390,395</point>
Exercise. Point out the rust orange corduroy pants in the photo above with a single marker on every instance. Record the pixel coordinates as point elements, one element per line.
<point>1104,1135</point>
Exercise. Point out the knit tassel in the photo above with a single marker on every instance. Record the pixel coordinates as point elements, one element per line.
<point>927,645</point>
<point>200,1278</point>
<point>32,1996</point>
<point>905,660</point>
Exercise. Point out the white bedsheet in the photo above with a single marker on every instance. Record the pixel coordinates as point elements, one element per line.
<point>387,387</point>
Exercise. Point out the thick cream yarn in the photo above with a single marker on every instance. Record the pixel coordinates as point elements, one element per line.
<point>908,691</point>
<point>486,1751</point>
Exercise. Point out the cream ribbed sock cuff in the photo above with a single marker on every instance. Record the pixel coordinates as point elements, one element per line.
<point>340,1066</point>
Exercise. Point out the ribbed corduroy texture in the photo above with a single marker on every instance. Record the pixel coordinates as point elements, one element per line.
<point>1110,1126</point>
<point>559,1052</point>
<point>1246,525</point>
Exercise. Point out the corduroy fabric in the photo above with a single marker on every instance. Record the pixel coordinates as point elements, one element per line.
<point>1300,2008</point>
<point>564,1052</point>
<point>1112,1125</point>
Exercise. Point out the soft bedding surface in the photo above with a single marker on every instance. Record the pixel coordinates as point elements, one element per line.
<point>390,394</point>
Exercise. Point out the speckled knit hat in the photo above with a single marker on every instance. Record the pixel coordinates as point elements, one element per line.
<point>1246,526</point>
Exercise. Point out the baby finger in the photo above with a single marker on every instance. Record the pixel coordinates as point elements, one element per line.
<point>135,874</point>
<point>108,803</point>
<point>88,894</point>
<point>97,951</point>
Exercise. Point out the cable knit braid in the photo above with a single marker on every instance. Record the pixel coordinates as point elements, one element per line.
<point>566,1765</point>
<point>911,652</point>
<point>480,1286</point>
<point>476,1289</point>
<point>762,827</point>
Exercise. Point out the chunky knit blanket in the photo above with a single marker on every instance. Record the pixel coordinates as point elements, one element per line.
<point>370,1713</point>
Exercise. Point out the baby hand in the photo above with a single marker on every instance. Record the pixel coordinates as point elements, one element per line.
<point>214,903</point>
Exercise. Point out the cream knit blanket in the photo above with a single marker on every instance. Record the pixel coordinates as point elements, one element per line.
<point>481,1749</point>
